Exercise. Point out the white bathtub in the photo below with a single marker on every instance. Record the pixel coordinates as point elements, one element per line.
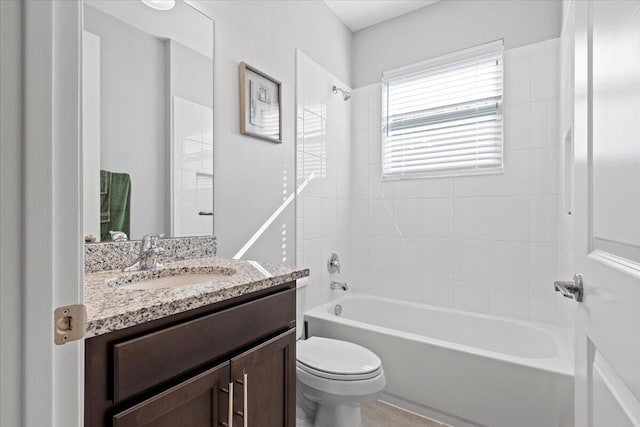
<point>462,368</point>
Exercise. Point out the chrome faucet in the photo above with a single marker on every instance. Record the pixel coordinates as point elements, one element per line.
<point>149,256</point>
<point>339,285</point>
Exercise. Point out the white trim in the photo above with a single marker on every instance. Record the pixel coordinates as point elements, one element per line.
<point>11,212</point>
<point>628,254</point>
<point>444,59</point>
<point>613,261</point>
<point>38,135</point>
<point>449,173</point>
<point>53,375</point>
<point>67,237</point>
<point>616,386</point>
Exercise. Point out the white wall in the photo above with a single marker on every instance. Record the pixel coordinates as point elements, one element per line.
<point>11,213</point>
<point>179,24</point>
<point>482,243</point>
<point>90,135</point>
<point>190,74</point>
<point>252,176</point>
<point>134,116</point>
<point>447,26</point>
<point>323,148</point>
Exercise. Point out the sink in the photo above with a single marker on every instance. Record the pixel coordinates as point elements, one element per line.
<point>171,277</point>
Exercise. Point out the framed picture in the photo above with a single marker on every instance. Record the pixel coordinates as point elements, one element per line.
<point>260,106</point>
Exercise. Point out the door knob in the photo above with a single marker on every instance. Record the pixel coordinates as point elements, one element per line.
<point>571,289</point>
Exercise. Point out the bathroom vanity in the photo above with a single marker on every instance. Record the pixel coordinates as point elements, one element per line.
<point>214,353</point>
<point>200,340</point>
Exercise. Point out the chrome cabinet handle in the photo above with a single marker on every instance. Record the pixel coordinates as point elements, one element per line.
<point>244,413</point>
<point>246,403</point>
<point>230,416</point>
<point>571,289</point>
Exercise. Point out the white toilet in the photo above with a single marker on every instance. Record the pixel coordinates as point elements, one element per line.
<point>334,379</point>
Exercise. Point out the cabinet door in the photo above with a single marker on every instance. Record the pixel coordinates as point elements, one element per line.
<point>265,384</point>
<point>201,401</point>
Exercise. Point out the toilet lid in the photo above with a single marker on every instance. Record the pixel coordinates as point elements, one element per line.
<point>335,359</point>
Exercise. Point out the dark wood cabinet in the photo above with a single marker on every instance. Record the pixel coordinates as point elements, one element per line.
<point>265,383</point>
<point>228,363</point>
<point>143,362</point>
<point>200,401</point>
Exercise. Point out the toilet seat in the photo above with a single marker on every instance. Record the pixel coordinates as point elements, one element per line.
<point>337,360</point>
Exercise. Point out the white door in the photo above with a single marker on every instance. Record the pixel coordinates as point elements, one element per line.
<point>607,190</point>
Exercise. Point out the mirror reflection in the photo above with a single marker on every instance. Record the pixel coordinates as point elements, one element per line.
<point>147,120</point>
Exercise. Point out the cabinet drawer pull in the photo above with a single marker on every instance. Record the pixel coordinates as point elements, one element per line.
<point>245,388</point>
<point>230,416</point>
<point>240,413</point>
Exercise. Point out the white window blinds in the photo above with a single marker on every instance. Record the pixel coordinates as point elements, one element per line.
<point>444,116</point>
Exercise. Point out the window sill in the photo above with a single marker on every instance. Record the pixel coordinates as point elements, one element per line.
<point>444,174</point>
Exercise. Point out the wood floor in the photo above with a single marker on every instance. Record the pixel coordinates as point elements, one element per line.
<point>380,414</point>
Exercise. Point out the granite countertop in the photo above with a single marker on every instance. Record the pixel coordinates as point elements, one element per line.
<point>111,308</point>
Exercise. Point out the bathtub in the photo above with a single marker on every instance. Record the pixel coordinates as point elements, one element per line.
<point>457,367</point>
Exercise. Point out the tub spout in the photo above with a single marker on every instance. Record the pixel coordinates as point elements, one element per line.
<point>339,285</point>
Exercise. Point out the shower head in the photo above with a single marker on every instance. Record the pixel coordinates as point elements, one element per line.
<point>345,93</point>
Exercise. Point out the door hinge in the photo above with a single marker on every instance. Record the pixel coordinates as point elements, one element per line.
<point>69,323</point>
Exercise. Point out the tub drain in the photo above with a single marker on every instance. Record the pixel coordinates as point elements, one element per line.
<point>337,309</point>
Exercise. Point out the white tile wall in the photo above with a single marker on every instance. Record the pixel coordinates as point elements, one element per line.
<point>482,243</point>
<point>323,207</point>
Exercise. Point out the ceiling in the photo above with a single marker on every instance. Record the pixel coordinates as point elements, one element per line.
<point>359,14</point>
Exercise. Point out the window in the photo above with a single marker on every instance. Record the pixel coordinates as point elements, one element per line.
<point>443,116</point>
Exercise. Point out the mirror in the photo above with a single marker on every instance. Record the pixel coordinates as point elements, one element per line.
<point>147,119</point>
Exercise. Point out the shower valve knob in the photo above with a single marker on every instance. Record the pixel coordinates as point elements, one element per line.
<point>333,264</point>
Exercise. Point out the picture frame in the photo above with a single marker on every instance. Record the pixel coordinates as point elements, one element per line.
<point>260,105</point>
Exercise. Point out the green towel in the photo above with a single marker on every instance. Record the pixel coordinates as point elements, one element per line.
<point>115,203</point>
